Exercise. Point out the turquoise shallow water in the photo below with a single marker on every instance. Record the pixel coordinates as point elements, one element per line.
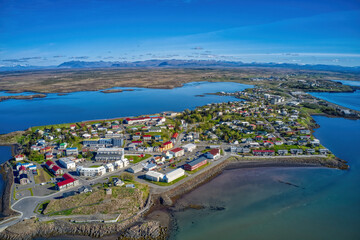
<point>326,205</point>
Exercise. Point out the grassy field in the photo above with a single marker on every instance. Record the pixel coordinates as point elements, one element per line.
<point>43,176</point>
<point>124,201</point>
<point>71,80</point>
<point>136,159</point>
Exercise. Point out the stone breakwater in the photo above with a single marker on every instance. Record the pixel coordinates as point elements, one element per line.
<point>138,228</point>
<point>8,178</point>
<point>129,229</point>
<point>169,197</point>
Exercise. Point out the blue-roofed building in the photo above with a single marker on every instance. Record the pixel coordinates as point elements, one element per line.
<point>72,151</point>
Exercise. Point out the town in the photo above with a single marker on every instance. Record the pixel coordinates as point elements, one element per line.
<point>158,151</point>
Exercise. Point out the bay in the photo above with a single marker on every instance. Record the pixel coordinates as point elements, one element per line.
<point>257,205</point>
<point>80,106</point>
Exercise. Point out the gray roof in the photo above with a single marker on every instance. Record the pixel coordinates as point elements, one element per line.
<point>196,161</point>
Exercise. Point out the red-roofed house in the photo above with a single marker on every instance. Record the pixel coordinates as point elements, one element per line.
<point>49,164</point>
<point>22,170</point>
<point>68,181</point>
<point>268,144</point>
<point>56,170</point>
<point>72,126</point>
<point>19,157</point>
<point>147,137</point>
<point>49,156</point>
<point>175,135</point>
<point>177,152</point>
<point>213,153</point>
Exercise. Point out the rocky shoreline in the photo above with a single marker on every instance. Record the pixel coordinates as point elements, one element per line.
<point>8,179</point>
<point>157,222</point>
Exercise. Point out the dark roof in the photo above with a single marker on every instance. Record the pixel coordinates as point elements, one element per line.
<point>214,151</point>
<point>23,176</point>
<point>196,161</point>
<point>263,151</point>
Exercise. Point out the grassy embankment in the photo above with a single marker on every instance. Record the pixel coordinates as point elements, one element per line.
<point>124,201</point>
<point>199,168</point>
<point>165,183</point>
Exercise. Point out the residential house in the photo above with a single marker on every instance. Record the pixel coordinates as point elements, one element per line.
<point>213,153</point>
<point>67,182</point>
<point>72,151</point>
<point>296,151</point>
<point>263,152</point>
<point>177,152</point>
<point>282,152</point>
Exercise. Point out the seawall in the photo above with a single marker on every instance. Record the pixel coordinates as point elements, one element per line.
<point>169,197</point>
<point>8,179</point>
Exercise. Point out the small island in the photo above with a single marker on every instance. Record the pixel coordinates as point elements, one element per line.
<point>22,97</point>
<point>115,90</point>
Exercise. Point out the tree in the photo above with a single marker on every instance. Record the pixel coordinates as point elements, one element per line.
<point>127,176</point>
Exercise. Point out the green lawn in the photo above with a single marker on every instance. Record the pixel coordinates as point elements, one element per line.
<point>198,169</point>
<point>66,125</point>
<point>136,158</point>
<point>167,184</point>
<point>40,207</point>
<point>95,166</point>
<point>42,176</point>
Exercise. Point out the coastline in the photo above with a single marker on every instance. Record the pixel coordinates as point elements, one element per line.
<point>157,219</point>
<point>8,178</point>
<point>168,199</point>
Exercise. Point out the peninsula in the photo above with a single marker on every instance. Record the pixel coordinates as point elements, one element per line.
<point>104,177</point>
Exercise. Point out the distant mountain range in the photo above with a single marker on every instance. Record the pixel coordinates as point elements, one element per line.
<point>183,64</point>
<point>201,63</point>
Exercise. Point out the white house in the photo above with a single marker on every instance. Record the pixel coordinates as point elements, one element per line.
<point>91,172</point>
<point>177,152</point>
<point>19,157</point>
<point>67,163</point>
<point>213,153</point>
<point>189,147</point>
<point>109,167</point>
<point>118,164</point>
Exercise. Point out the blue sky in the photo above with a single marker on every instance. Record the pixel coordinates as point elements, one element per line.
<point>49,32</point>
